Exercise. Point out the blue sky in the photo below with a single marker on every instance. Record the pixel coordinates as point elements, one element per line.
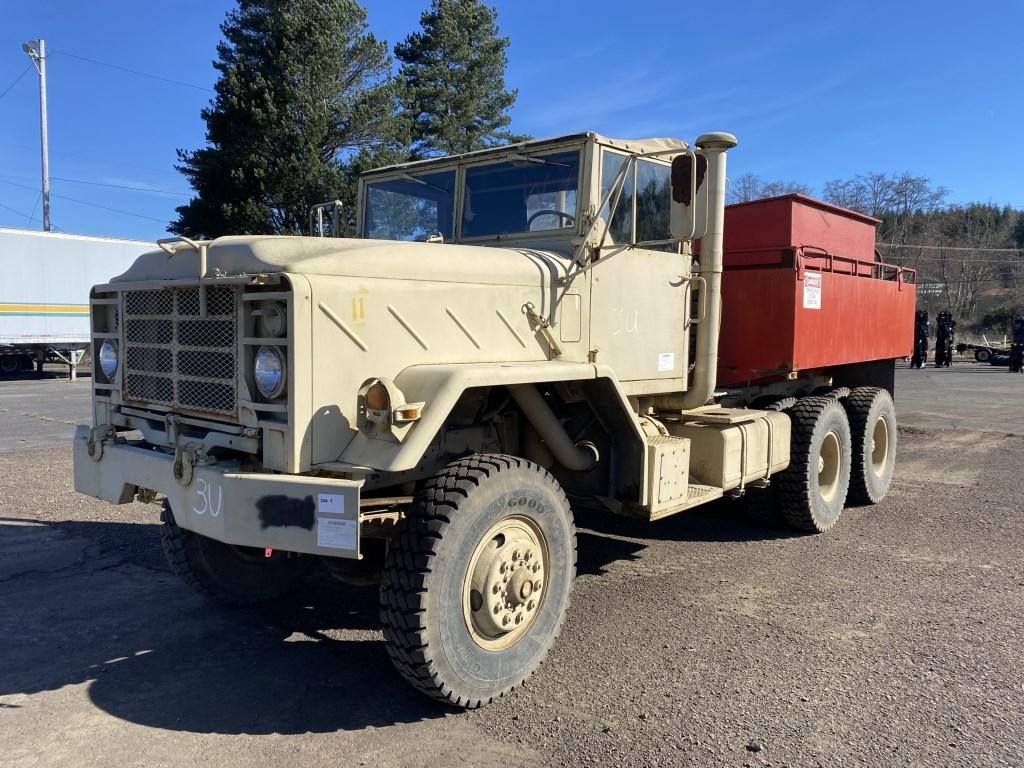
<point>814,91</point>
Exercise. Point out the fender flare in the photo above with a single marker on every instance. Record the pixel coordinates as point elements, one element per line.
<point>441,386</point>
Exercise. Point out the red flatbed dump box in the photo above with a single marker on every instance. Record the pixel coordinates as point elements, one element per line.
<point>803,290</point>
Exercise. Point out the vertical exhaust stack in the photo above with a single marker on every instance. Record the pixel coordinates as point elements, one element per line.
<point>713,148</point>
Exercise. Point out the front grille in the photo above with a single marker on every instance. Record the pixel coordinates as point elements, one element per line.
<point>175,357</point>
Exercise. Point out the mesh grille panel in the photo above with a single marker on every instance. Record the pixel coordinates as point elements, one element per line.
<point>150,359</point>
<point>206,395</point>
<point>215,365</point>
<point>152,389</point>
<point>175,357</point>
<point>206,333</point>
<point>147,303</point>
<point>148,331</point>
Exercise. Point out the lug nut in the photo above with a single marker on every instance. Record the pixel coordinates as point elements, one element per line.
<point>531,605</point>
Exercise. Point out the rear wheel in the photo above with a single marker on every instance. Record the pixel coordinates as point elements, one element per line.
<point>982,355</point>
<point>812,490</point>
<point>226,573</point>
<point>10,364</point>
<point>477,579</point>
<point>873,431</point>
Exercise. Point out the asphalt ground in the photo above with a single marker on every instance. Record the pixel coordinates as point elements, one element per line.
<point>711,639</point>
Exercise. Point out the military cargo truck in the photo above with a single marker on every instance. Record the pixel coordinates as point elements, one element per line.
<point>513,332</point>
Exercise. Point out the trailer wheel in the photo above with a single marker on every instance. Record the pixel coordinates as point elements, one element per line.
<point>982,355</point>
<point>10,365</point>
<point>228,574</point>
<point>873,428</point>
<point>812,490</point>
<point>477,579</point>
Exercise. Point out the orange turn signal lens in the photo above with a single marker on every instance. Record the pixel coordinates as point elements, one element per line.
<point>377,398</point>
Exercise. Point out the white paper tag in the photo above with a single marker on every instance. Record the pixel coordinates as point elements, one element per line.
<point>812,290</point>
<point>666,361</point>
<point>330,502</point>
<point>335,534</point>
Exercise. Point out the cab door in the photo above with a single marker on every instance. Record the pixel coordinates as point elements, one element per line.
<point>640,295</point>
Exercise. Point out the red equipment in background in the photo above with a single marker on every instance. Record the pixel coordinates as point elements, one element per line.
<point>804,290</point>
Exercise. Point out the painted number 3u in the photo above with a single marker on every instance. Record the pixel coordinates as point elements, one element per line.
<point>209,498</point>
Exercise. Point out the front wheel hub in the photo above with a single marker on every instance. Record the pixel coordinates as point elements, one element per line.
<point>504,583</point>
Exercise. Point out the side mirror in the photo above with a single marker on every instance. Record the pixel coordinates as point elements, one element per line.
<point>682,177</point>
<point>687,220</point>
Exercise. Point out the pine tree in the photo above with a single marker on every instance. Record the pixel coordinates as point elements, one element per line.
<point>302,86</point>
<point>453,80</point>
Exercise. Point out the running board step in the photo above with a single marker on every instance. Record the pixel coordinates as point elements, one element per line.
<point>695,496</point>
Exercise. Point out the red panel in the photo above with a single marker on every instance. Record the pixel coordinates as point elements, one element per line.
<point>792,221</point>
<point>769,324</point>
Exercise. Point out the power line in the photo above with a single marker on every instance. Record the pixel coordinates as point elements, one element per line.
<point>92,205</point>
<point>108,208</point>
<point>19,213</point>
<point>947,247</point>
<point>16,81</point>
<point>906,259</point>
<point>119,186</point>
<point>31,215</point>
<point>133,71</point>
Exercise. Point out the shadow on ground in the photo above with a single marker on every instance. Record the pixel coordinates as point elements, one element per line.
<point>93,603</point>
<point>153,653</point>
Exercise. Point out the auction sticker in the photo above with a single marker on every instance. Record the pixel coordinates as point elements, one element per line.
<point>812,290</point>
<point>333,533</point>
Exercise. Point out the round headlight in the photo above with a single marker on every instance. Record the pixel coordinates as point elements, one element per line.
<point>108,359</point>
<point>268,371</point>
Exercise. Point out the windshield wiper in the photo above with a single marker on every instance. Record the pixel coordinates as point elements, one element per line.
<point>540,161</point>
<point>424,182</point>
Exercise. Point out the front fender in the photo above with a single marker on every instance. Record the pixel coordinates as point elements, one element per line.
<point>440,387</point>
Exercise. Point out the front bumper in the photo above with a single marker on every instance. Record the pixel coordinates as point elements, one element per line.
<point>292,513</point>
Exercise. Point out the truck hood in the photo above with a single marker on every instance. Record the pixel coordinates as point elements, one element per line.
<point>344,257</point>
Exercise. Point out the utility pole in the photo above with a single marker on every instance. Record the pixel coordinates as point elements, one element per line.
<point>36,50</point>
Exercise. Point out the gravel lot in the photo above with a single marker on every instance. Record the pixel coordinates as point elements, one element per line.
<point>708,639</point>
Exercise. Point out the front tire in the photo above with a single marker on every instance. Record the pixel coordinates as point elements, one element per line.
<point>812,490</point>
<point>477,579</point>
<point>225,573</point>
<point>982,355</point>
<point>873,429</point>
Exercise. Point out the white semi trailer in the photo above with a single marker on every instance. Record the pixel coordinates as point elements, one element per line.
<point>44,297</point>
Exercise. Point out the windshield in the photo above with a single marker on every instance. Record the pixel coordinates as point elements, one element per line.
<point>526,194</point>
<point>411,207</point>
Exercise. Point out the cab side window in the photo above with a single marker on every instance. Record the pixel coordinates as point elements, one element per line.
<point>621,222</point>
<point>653,200</point>
<point>649,184</point>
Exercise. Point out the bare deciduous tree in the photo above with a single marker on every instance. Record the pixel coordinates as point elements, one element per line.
<point>749,187</point>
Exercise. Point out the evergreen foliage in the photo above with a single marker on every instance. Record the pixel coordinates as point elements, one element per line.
<point>453,80</point>
<point>302,85</point>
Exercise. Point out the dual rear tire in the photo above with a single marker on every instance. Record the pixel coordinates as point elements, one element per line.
<point>840,451</point>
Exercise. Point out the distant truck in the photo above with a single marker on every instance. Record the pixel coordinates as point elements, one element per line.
<point>515,332</point>
<point>44,297</point>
